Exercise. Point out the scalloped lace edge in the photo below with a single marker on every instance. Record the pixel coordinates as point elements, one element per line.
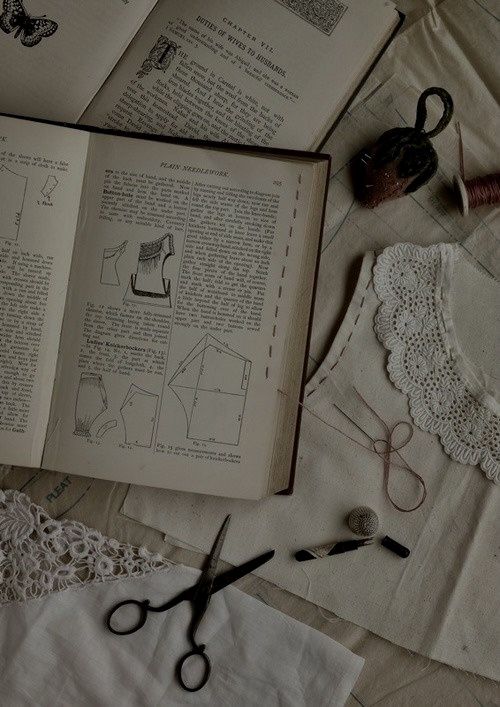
<point>456,446</point>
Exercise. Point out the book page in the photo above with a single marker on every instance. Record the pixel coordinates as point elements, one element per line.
<point>41,177</point>
<point>267,72</point>
<point>56,54</point>
<point>184,276</point>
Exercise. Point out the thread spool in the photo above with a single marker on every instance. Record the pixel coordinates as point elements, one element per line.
<point>480,191</point>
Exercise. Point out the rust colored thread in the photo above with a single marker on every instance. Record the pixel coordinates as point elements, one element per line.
<point>383,448</point>
<point>479,191</point>
<point>483,190</point>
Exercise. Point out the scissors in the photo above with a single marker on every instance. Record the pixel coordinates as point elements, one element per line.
<point>199,596</point>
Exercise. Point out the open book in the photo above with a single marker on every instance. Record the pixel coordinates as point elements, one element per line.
<point>155,303</point>
<point>269,72</point>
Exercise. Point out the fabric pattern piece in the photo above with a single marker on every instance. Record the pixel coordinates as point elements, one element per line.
<point>39,555</point>
<point>413,324</point>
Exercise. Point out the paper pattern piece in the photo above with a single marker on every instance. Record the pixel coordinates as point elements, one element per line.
<point>12,194</point>
<point>211,384</point>
<point>138,412</point>
<point>49,186</point>
<point>109,263</point>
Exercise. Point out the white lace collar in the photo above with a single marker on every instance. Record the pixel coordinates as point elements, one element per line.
<point>39,555</point>
<point>446,393</point>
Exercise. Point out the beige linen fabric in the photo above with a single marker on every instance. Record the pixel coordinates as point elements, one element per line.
<point>431,602</point>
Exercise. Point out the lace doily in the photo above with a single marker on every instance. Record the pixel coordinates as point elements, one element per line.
<point>422,363</point>
<point>39,555</point>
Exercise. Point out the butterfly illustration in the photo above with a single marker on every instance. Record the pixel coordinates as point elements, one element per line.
<point>32,30</point>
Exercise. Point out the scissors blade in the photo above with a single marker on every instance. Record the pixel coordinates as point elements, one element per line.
<point>222,581</point>
<point>205,583</point>
<point>230,576</point>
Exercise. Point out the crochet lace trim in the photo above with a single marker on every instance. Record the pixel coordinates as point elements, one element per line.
<point>39,555</point>
<point>413,324</point>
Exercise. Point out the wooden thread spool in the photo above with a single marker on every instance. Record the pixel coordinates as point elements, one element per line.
<point>479,191</point>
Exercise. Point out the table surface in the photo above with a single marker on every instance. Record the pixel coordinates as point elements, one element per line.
<point>392,676</point>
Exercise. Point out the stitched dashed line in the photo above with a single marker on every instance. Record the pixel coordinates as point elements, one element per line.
<point>363,299</point>
<point>283,270</point>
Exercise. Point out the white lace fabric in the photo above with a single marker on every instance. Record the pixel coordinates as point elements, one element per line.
<point>445,394</point>
<point>40,555</point>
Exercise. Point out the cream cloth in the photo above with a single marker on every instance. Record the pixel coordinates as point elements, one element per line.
<point>441,601</point>
<point>56,651</point>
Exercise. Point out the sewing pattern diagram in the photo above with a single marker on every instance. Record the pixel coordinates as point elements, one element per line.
<point>110,258</point>
<point>148,285</point>
<point>160,57</point>
<point>106,427</point>
<point>50,186</point>
<point>91,402</point>
<point>12,195</point>
<point>138,413</point>
<point>30,30</point>
<point>322,14</point>
<point>211,384</point>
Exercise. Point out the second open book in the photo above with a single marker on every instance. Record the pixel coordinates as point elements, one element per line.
<point>155,307</point>
<point>267,72</point>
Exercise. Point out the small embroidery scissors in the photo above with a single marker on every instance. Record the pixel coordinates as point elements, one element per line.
<point>199,595</point>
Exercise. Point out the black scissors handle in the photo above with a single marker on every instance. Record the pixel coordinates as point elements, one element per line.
<point>143,607</point>
<point>198,651</point>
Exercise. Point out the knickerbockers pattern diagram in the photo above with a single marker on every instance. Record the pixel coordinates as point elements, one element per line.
<point>91,401</point>
<point>12,195</point>
<point>211,384</point>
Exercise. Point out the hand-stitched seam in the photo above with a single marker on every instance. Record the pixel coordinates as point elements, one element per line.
<point>280,287</point>
<point>346,345</point>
